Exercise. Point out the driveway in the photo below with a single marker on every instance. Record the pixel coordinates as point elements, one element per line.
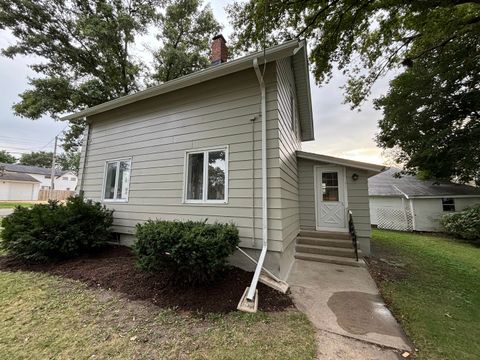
<point>344,304</point>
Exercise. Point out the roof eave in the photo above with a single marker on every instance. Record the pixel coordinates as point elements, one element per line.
<point>271,54</point>
<point>374,168</point>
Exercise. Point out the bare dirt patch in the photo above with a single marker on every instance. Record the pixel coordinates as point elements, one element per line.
<point>114,269</point>
<point>384,265</point>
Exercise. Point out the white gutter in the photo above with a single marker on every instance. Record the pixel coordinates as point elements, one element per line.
<point>261,259</point>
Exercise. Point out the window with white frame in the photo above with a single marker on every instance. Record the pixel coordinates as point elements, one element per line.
<point>206,176</point>
<point>117,180</point>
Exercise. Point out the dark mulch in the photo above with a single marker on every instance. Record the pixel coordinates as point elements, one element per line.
<point>114,268</point>
<point>384,265</point>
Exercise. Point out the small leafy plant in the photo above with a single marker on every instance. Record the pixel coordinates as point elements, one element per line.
<point>464,224</point>
<point>195,252</point>
<point>54,231</point>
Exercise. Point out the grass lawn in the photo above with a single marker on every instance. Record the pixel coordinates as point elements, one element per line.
<point>11,205</point>
<point>432,285</point>
<point>54,317</point>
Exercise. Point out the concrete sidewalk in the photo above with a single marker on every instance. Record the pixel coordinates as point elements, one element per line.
<point>5,212</point>
<point>344,300</point>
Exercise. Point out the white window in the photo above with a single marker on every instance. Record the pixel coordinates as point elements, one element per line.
<point>65,178</point>
<point>73,179</point>
<point>116,181</point>
<point>206,176</point>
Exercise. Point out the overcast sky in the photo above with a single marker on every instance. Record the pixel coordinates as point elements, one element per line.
<point>339,131</point>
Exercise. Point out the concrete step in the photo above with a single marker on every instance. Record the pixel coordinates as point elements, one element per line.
<point>330,259</point>
<point>342,243</point>
<point>325,234</point>
<point>326,250</point>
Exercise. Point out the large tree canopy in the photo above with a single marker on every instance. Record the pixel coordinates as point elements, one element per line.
<point>84,49</point>
<point>37,158</point>
<point>6,157</point>
<point>434,40</point>
<point>187,30</point>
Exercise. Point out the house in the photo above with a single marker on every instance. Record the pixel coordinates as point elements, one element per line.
<point>224,144</point>
<point>64,180</point>
<point>409,204</point>
<point>18,186</point>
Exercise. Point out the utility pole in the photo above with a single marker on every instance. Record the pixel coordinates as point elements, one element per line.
<point>54,156</point>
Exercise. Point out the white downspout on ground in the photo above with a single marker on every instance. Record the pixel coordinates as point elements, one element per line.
<point>261,259</point>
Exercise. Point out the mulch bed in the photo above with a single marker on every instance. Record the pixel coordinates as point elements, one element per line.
<point>114,269</point>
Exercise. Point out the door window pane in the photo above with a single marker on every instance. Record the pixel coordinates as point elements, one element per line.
<point>330,186</point>
<point>216,175</point>
<point>123,179</point>
<point>195,177</point>
<point>110,180</point>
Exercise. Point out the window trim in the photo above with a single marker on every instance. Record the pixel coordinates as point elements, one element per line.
<point>204,199</point>
<point>129,160</point>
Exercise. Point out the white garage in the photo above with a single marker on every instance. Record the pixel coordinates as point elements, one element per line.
<point>18,187</point>
<point>408,204</point>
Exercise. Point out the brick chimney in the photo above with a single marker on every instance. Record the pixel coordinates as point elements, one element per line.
<point>219,50</point>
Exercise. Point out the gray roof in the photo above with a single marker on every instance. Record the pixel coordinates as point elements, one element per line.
<point>30,169</point>
<point>386,184</point>
<point>12,176</point>
<point>293,48</point>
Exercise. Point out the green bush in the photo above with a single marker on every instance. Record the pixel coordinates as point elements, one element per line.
<point>464,224</point>
<point>194,252</point>
<point>54,231</point>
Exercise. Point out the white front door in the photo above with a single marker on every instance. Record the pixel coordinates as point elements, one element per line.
<point>330,201</point>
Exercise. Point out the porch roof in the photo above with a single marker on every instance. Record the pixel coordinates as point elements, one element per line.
<point>340,161</point>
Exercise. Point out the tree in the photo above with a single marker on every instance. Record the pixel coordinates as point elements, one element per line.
<point>366,39</point>
<point>186,34</point>
<point>69,161</point>
<point>6,157</point>
<point>84,51</point>
<point>40,158</point>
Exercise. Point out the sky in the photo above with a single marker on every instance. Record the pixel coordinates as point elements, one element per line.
<point>339,131</point>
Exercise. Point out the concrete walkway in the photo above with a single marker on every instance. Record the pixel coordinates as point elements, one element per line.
<point>344,303</point>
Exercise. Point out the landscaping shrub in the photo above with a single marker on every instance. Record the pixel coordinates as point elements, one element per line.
<point>464,224</point>
<point>195,252</point>
<point>54,231</point>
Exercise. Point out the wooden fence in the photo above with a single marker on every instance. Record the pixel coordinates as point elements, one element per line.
<point>44,195</point>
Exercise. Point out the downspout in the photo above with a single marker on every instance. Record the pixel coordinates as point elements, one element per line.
<point>82,180</point>
<point>261,259</point>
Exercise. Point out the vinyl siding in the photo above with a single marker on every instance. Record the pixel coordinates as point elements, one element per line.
<point>155,133</point>
<point>289,143</point>
<point>357,195</point>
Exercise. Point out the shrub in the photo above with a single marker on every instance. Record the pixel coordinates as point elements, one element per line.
<point>195,252</point>
<point>464,224</point>
<point>54,231</point>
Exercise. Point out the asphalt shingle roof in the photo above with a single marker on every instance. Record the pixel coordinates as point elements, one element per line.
<point>386,184</point>
<point>30,169</point>
<point>12,176</point>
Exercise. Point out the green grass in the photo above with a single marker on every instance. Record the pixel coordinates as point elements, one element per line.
<point>49,317</point>
<point>11,205</point>
<point>438,303</point>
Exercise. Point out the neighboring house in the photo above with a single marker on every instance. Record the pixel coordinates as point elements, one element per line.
<point>64,180</point>
<point>18,186</point>
<point>410,204</point>
<point>198,147</point>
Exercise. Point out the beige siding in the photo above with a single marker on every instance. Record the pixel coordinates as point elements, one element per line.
<point>357,192</point>
<point>156,132</point>
<point>289,143</point>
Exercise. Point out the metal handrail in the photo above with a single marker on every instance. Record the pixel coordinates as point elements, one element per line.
<point>353,234</point>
